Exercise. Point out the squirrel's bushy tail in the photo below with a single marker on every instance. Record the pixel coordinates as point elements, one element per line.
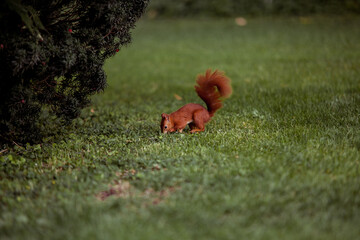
<point>212,88</point>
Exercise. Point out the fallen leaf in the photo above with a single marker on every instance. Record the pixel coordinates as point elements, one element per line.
<point>121,189</point>
<point>240,21</point>
<point>305,20</point>
<point>152,14</point>
<point>177,97</point>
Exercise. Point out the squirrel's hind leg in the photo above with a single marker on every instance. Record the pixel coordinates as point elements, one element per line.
<point>197,130</point>
<point>198,124</point>
<point>194,128</point>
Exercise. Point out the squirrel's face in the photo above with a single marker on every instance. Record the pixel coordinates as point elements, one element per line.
<point>166,125</point>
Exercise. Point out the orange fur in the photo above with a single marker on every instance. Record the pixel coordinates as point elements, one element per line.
<point>212,88</point>
<point>207,92</point>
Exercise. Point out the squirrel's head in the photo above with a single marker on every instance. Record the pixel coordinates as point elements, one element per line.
<point>166,125</point>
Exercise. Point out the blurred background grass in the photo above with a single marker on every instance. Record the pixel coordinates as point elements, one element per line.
<point>226,8</point>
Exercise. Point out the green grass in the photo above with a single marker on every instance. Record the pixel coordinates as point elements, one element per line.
<point>280,160</point>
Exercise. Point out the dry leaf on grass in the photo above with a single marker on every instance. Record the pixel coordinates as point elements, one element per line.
<point>123,189</point>
<point>240,21</point>
<point>177,97</point>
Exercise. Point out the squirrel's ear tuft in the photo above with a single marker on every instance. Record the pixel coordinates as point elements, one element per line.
<point>165,116</point>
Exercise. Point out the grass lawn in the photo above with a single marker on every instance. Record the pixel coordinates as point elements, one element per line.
<point>280,160</point>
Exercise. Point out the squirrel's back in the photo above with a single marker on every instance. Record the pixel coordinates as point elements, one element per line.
<point>212,88</point>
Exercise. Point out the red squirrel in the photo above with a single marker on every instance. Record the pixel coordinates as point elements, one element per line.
<point>212,88</point>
